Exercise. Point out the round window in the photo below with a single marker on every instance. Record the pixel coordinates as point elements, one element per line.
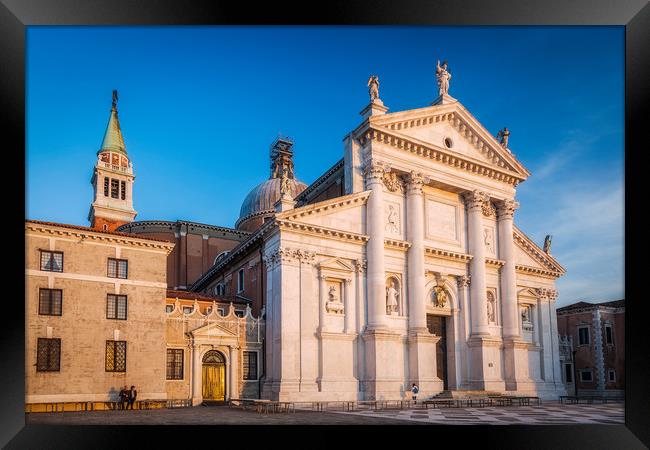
<point>449,143</point>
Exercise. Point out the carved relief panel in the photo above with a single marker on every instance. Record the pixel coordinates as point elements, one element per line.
<point>393,219</point>
<point>489,241</point>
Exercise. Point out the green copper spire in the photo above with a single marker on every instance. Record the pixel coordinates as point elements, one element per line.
<point>113,140</point>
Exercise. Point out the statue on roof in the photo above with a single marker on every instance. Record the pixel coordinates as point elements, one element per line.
<point>443,77</point>
<point>503,136</point>
<point>114,98</point>
<point>373,87</point>
<point>285,186</point>
<point>547,243</point>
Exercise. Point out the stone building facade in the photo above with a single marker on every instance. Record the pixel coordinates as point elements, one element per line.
<point>95,314</point>
<point>400,264</point>
<point>596,333</point>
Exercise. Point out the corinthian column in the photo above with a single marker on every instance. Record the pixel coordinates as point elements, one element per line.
<point>375,247</point>
<point>415,234</point>
<point>510,310</point>
<point>474,201</point>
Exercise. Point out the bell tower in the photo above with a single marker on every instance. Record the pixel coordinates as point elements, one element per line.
<point>112,179</point>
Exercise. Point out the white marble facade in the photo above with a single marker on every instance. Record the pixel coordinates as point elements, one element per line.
<point>426,229</point>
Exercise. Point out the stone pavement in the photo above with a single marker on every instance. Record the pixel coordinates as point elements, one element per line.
<point>550,413</point>
<point>547,414</point>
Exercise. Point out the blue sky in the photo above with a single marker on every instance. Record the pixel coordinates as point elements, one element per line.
<point>199,107</point>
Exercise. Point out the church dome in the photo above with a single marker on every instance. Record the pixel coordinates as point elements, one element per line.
<point>263,196</point>
<point>260,201</point>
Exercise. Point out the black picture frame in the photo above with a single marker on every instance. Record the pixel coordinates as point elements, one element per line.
<point>15,15</point>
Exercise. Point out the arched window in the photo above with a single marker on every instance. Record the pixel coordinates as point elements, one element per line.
<point>219,289</point>
<point>213,357</point>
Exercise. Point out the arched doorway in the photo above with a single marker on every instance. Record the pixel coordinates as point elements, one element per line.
<point>214,376</point>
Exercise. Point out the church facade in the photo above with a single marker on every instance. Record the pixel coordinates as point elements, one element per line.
<point>400,264</point>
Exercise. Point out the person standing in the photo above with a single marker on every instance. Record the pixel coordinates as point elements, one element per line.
<point>123,396</point>
<point>414,392</point>
<point>132,395</point>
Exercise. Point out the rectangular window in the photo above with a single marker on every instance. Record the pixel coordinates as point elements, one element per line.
<point>586,375</point>
<point>48,355</point>
<point>51,261</point>
<point>239,313</point>
<point>568,371</point>
<point>116,307</point>
<point>115,356</point>
<point>169,308</point>
<point>188,309</point>
<point>50,302</point>
<point>105,186</point>
<point>250,365</point>
<point>583,336</point>
<point>123,190</point>
<point>609,338</point>
<point>115,188</point>
<point>221,311</point>
<point>240,280</point>
<point>118,268</point>
<point>174,364</point>
<point>612,375</point>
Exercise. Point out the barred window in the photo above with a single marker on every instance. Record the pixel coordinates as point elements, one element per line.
<point>174,364</point>
<point>250,365</point>
<point>115,188</point>
<point>48,355</point>
<point>118,268</point>
<point>123,190</point>
<point>50,302</point>
<point>115,356</point>
<point>51,261</point>
<point>116,307</point>
<point>105,186</point>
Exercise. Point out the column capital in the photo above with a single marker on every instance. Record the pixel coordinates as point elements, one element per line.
<point>463,280</point>
<point>475,200</point>
<point>415,181</point>
<point>374,170</point>
<point>506,209</point>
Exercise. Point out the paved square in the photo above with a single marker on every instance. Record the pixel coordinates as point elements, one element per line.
<point>551,413</point>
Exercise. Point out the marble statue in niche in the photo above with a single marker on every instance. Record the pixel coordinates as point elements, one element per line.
<point>491,307</point>
<point>392,297</point>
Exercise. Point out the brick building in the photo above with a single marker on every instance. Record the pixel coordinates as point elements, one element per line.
<point>595,334</point>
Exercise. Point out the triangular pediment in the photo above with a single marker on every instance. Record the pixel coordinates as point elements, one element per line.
<point>528,254</point>
<point>343,213</point>
<point>336,264</point>
<point>451,131</point>
<point>212,330</point>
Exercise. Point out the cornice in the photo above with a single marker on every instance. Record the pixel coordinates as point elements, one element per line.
<point>494,262</point>
<point>438,154</point>
<point>544,258</point>
<point>447,254</point>
<point>326,205</point>
<point>100,237</point>
<point>397,244</point>
<point>463,121</point>
<point>320,231</point>
<point>166,223</point>
<point>520,268</point>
